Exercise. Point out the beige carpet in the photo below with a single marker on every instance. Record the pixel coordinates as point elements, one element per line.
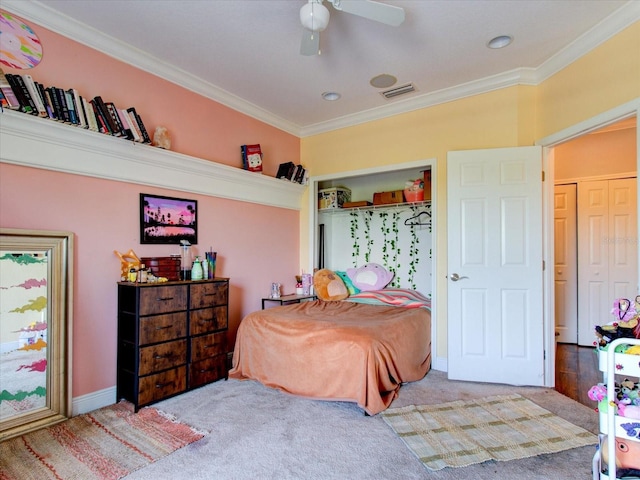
<point>502,427</point>
<point>106,444</point>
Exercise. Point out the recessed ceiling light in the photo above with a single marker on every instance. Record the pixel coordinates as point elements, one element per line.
<point>383,80</point>
<point>331,96</point>
<point>500,42</point>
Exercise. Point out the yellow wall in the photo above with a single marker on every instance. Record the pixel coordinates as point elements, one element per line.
<point>515,116</point>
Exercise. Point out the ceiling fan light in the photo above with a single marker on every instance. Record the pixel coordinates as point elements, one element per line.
<point>314,16</point>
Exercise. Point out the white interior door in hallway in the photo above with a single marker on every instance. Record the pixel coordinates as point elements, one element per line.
<point>607,250</point>
<point>566,265</point>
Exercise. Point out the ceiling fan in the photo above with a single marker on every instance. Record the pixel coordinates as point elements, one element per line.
<point>314,17</point>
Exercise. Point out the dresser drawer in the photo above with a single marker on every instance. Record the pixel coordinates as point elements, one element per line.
<point>161,385</point>
<point>162,356</point>
<point>171,298</point>
<point>209,294</point>
<point>160,328</point>
<point>208,370</point>
<point>207,346</point>
<point>206,320</point>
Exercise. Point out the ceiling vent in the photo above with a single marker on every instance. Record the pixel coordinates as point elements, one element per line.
<point>401,90</point>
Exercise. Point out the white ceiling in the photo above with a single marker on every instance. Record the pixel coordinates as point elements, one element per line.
<point>245,53</point>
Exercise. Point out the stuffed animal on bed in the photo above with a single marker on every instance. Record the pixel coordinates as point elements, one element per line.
<point>329,286</point>
<point>370,276</point>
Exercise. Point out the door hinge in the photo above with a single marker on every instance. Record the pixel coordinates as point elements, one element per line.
<point>543,175</point>
<point>543,265</point>
<point>544,354</point>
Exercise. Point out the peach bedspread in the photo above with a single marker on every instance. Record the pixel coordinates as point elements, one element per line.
<point>335,350</point>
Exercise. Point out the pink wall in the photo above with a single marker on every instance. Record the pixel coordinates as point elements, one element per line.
<point>256,244</point>
<point>198,127</point>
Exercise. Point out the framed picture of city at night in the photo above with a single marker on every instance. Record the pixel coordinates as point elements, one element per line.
<point>167,220</point>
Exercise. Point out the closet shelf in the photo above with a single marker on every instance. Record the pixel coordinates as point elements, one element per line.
<point>387,206</point>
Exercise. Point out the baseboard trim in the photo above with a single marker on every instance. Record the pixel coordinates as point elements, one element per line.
<point>92,401</point>
<point>440,364</point>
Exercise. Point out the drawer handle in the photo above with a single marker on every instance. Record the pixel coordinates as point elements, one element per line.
<point>211,345</point>
<point>205,370</point>
<point>164,299</point>
<point>160,357</point>
<point>202,320</point>
<point>162,385</point>
<point>164,328</point>
<point>209,294</point>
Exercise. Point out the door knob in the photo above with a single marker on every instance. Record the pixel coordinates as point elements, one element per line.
<point>455,277</point>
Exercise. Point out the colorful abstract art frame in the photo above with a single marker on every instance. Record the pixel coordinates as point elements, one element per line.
<point>168,220</point>
<point>20,47</point>
<point>35,325</point>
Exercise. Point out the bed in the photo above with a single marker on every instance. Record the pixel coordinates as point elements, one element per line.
<point>357,350</point>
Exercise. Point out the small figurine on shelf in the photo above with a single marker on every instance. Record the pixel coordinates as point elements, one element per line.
<point>161,138</point>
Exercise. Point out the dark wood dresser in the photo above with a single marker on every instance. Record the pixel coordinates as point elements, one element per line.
<point>171,338</point>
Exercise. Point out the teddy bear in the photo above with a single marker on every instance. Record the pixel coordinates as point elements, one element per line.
<point>329,286</point>
<point>370,276</point>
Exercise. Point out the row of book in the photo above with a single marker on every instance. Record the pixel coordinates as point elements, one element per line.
<point>23,93</point>
<point>292,172</point>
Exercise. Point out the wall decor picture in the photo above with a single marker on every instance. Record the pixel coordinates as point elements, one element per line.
<point>167,220</point>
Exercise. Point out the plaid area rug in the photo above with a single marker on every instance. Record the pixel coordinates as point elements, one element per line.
<point>106,444</point>
<point>503,427</point>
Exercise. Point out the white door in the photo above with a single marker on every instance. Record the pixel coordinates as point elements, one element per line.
<point>566,263</point>
<point>607,251</point>
<point>495,283</point>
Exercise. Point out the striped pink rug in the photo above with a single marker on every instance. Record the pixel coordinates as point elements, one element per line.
<point>106,444</point>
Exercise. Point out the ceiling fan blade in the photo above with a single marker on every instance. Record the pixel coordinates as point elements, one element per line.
<point>310,44</point>
<point>379,12</point>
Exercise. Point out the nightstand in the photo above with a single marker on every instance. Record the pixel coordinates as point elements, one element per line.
<point>288,299</point>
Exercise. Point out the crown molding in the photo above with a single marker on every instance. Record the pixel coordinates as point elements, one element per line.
<point>37,142</point>
<point>521,76</point>
<point>53,20</point>
<point>622,18</point>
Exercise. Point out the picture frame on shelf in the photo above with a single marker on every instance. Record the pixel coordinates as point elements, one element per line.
<point>168,220</point>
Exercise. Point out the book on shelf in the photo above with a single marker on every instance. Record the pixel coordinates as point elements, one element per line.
<point>35,94</point>
<point>21,92</point>
<point>143,131</point>
<point>299,174</point>
<point>129,125</point>
<point>10,99</point>
<point>46,99</point>
<point>92,122</point>
<point>113,113</point>
<point>252,157</point>
<point>65,115</point>
<point>103,126</point>
<point>108,118</point>
<point>286,170</point>
<point>80,111</point>
<point>71,106</point>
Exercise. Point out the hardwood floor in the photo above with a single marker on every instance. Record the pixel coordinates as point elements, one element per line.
<point>576,372</point>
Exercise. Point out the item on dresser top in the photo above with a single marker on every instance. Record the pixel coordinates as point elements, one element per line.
<point>196,269</point>
<point>128,261</point>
